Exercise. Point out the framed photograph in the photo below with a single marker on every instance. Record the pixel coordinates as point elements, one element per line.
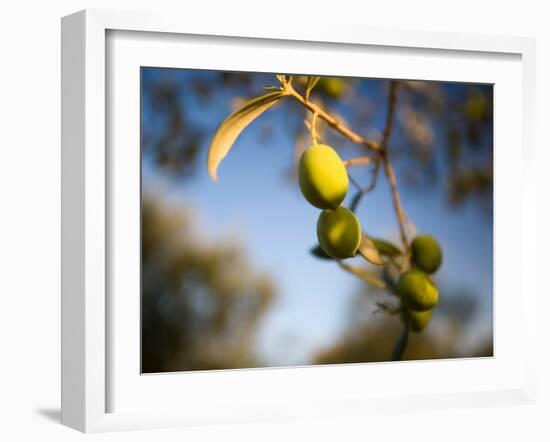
<point>272,222</point>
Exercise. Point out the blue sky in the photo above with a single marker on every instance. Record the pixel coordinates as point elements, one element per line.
<point>255,201</point>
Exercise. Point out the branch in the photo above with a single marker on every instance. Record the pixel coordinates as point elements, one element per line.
<point>388,169</point>
<point>392,100</point>
<point>401,345</point>
<point>313,128</point>
<point>361,191</point>
<point>381,150</point>
<point>358,161</point>
<point>330,120</point>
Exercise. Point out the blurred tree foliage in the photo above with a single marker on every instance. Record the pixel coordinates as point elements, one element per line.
<point>463,160</point>
<point>169,135</point>
<point>201,303</point>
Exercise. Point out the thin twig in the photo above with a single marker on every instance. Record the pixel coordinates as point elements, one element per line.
<point>374,178</point>
<point>331,121</point>
<point>358,161</point>
<point>411,226</point>
<point>314,135</point>
<point>401,344</point>
<point>355,183</point>
<point>384,307</point>
<point>362,191</point>
<point>388,169</point>
<point>396,202</point>
<point>392,100</point>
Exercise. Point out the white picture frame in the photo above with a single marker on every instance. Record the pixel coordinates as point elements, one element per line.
<point>87,316</point>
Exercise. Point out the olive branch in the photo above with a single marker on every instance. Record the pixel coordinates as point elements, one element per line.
<point>376,251</point>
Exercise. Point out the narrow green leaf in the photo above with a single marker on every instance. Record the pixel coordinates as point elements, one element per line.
<point>311,83</point>
<point>368,251</point>
<point>233,125</point>
<point>319,252</point>
<point>386,248</point>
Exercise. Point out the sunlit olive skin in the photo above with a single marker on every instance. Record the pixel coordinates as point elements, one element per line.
<point>339,233</point>
<point>417,290</point>
<point>418,321</point>
<point>323,177</point>
<point>426,253</point>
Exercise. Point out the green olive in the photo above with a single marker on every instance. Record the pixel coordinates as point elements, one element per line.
<point>426,253</point>
<point>418,321</point>
<point>323,177</point>
<point>475,107</point>
<point>339,233</point>
<point>332,87</point>
<point>417,290</point>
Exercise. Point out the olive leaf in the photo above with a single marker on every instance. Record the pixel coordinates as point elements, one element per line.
<point>364,274</point>
<point>311,83</point>
<point>368,250</point>
<point>233,125</point>
<point>319,252</point>
<point>386,248</point>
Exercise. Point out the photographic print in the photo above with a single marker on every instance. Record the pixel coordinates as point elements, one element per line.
<point>294,220</point>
